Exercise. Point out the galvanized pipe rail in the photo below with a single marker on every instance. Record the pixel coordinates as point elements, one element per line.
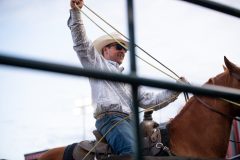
<point>232,94</point>
<point>216,6</point>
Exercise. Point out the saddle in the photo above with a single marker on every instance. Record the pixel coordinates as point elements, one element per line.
<point>151,135</point>
<point>99,149</point>
<point>152,144</point>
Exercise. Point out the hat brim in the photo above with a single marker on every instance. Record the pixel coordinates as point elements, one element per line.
<point>102,41</point>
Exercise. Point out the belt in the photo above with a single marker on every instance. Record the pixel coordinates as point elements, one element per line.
<point>101,115</point>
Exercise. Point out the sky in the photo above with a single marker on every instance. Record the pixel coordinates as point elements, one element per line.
<point>41,110</point>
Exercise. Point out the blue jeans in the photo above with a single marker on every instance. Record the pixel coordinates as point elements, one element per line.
<point>120,138</point>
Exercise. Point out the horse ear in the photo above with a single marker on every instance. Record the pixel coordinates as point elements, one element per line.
<point>224,68</point>
<point>231,67</point>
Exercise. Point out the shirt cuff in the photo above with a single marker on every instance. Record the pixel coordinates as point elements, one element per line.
<point>75,16</point>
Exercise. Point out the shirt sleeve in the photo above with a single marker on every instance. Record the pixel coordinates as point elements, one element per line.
<point>83,47</point>
<point>158,100</point>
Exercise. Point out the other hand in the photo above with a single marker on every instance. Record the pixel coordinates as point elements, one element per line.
<point>182,80</point>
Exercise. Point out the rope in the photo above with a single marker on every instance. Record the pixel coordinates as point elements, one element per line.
<point>156,68</point>
<point>117,123</point>
<point>226,100</point>
<point>216,111</point>
<point>125,46</point>
<point>104,30</point>
<point>149,108</point>
<point>185,93</point>
<point>235,103</point>
<point>134,44</point>
<point>152,107</point>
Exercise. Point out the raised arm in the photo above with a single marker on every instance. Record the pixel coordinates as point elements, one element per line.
<point>83,47</point>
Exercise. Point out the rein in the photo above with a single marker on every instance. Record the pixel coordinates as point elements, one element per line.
<point>226,100</point>
<point>234,103</point>
<point>216,111</point>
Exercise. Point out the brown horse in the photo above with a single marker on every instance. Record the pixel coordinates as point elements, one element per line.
<point>202,128</point>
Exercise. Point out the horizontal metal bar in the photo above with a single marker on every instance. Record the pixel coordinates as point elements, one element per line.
<point>231,94</point>
<point>216,6</point>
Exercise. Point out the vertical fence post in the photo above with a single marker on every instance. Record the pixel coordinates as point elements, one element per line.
<point>138,142</point>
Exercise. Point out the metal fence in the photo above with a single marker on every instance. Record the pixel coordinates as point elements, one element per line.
<point>132,79</point>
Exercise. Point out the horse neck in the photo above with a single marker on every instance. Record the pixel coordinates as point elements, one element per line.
<point>197,131</point>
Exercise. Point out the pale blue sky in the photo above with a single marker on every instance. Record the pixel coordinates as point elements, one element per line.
<point>37,108</point>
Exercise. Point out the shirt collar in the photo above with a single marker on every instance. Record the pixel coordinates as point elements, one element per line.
<point>116,65</point>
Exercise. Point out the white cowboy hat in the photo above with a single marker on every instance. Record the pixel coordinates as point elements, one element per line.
<point>104,40</point>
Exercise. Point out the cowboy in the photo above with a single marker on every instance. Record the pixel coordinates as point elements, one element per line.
<point>112,101</point>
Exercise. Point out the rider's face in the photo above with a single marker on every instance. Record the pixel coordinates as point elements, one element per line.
<point>114,52</point>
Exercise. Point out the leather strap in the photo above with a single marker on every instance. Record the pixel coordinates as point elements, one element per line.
<point>68,152</point>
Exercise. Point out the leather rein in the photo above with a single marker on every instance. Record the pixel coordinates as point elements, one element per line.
<point>211,108</point>
<point>216,111</point>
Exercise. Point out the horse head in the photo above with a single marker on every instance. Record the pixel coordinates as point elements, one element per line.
<point>229,78</point>
<point>202,128</point>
